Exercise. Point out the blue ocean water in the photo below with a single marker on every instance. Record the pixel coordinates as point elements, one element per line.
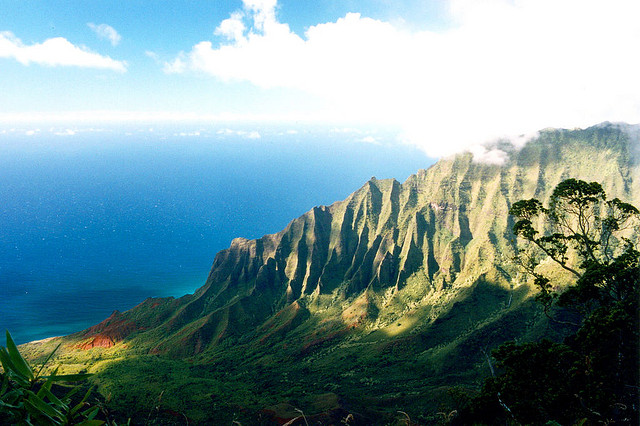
<point>100,221</point>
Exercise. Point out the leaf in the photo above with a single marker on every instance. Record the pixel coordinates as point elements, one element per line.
<point>91,423</point>
<point>4,404</point>
<point>72,392</point>
<point>68,377</point>
<point>40,407</point>
<point>11,369</point>
<point>52,398</point>
<point>5,384</point>
<point>81,403</point>
<point>6,362</point>
<point>47,360</point>
<point>91,413</point>
<point>18,361</point>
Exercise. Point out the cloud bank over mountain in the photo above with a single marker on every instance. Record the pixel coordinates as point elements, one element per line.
<point>503,68</point>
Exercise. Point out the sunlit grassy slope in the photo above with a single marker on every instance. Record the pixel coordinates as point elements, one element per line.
<point>378,303</point>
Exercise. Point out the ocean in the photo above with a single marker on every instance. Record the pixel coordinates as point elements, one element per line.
<point>97,221</point>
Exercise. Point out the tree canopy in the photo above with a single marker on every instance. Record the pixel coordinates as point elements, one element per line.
<point>592,376</point>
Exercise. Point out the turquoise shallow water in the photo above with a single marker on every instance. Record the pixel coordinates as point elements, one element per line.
<point>103,221</point>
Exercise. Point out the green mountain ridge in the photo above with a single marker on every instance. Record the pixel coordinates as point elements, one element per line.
<point>371,305</point>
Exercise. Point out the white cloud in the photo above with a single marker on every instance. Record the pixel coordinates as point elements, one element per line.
<point>504,68</point>
<point>233,28</point>
<point>106,32</point>
<point>487,155</point>
<point>253,134</point>
<point>369,139</point>
<point>119,117</point>
<point>193,133</point>
<point>345,130</point>
<point>65,132</point>
<point>55,52</point>
<point>176,66</point>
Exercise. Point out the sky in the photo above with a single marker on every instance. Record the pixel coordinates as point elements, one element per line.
<point>448,74</point>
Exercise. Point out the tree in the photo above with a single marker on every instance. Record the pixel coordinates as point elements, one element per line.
<point>580,220</point>
<point>592,377</point>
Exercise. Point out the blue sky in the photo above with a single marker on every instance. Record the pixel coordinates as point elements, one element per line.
<point>147,28</point>
<point>448,73</point>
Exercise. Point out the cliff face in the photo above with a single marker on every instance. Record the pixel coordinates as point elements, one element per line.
<point>387,252</point>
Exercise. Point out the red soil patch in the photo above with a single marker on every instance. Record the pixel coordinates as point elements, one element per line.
<point>108,332</point>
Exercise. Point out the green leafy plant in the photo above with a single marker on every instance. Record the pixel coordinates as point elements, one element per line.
<point>27,396</point>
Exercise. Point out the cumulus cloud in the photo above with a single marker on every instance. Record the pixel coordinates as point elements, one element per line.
<point>106,32</point>
<point>55,52</point>
<point>233,28</point>
<point>503,68</point>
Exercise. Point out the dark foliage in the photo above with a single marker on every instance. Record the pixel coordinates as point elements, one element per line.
<point>592,377</point>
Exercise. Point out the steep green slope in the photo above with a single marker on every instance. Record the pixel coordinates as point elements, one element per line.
<point>370,305</point>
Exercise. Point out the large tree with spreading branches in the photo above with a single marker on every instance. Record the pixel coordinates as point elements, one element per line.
<point>592,376</point>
